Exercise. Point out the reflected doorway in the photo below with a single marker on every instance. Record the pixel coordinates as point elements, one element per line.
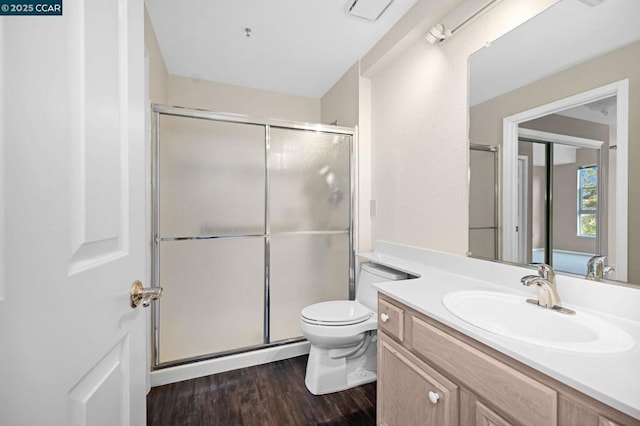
<point>564,187</point>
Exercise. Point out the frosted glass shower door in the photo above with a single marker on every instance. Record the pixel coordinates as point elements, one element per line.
<point>310,210</point>
<point>483,227</point>
<point>210,245</point>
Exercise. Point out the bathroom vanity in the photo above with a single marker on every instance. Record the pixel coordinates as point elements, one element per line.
<point>436,369</point>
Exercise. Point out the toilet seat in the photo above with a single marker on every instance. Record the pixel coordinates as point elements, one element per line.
<point>336,313</point>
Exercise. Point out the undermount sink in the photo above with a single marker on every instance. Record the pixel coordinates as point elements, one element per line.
<point>511,316</point>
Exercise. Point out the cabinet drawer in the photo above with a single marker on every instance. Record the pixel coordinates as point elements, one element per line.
<point>518,395</point>
<point>391,319</point>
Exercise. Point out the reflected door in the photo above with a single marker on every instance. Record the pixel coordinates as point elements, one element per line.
<point>565,204</point>
<point>576,209</point>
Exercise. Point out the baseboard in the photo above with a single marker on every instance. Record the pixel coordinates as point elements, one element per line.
<point>232,362</point>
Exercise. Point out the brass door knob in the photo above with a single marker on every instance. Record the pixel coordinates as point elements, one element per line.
<point>143,295</point>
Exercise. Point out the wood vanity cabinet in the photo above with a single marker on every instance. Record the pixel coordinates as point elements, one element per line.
<point>430,374</point>
<point>408,384</point>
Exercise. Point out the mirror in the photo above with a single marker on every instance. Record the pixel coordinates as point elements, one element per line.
<point>555,140</point>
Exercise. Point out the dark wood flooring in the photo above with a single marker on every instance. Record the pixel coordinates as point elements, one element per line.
<point>270,394</point>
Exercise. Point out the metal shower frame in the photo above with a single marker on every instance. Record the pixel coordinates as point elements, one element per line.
<point>157,110</point>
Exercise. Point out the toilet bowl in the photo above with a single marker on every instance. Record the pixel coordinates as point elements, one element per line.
<point>342,334</point>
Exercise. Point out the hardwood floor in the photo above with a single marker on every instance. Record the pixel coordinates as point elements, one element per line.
<point>270,394</point>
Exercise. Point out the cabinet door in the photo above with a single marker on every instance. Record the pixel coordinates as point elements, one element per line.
<point>410,392</point>
<point>487,417</point>
<point>603,421</point>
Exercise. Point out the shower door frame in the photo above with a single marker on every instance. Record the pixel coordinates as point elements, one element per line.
<point>495,151</point>
<point>268,124</point>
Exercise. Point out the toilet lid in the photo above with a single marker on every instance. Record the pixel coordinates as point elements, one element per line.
<point>336,312</point>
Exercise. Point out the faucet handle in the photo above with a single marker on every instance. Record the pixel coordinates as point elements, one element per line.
<point>545,271</point>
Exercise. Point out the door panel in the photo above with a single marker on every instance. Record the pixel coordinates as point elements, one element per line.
<point>309,181</point>
<point>211,177</point>
<point>305,269</point>
<point>98,398</point>
<point>73,350</point>
<point>98,114</point>
<point>213,299</point>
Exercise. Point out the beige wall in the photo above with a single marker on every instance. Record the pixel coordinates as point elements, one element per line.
<point>348,103</point>
<point>419,133</point>
<point>618,65</point>
<point>340,103</point>
<point>158,75</point>
<point>364,238</point>
<point>220,97</point>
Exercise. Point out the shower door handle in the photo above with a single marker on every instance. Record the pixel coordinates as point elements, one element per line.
<point>143,295</point>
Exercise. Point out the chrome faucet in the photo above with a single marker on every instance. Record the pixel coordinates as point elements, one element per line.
<point>545,282</point>
<point>596,269</point>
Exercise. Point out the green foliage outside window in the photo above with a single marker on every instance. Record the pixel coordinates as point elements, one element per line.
<point>588,201</point>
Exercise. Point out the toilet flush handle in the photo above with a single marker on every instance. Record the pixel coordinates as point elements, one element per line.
<point>384,317</point>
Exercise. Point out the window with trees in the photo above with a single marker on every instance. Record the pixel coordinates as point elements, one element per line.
<point>588,201</point>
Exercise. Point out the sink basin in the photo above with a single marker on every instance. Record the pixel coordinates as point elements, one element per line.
<point>511,316</point>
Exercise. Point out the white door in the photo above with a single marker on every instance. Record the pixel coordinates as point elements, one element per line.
<point>72,350</point>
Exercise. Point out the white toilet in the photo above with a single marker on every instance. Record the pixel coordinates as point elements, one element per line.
<point>342,334</point>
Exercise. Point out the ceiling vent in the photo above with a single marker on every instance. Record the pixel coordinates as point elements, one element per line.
<point>369,10</point>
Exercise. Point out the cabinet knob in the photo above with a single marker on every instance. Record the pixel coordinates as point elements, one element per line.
<point>384,317</point>
<point>434,397</point>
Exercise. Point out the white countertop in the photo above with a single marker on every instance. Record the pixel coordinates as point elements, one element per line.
<point>613,379</point>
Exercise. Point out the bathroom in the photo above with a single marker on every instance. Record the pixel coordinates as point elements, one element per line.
<point>407,97</point>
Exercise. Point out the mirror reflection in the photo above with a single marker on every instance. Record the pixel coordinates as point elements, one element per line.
<point>554,148</point>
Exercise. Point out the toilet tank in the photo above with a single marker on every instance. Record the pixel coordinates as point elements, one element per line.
<point>373,273</point>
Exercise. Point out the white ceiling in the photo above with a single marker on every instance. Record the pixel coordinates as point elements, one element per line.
<point>300,47</point>
<point>563,36</point>
<point>604,111</point>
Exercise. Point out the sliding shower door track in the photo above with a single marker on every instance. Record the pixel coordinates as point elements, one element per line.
<point>213,237</point>
<point>209,237</point>
<point>208,357</point>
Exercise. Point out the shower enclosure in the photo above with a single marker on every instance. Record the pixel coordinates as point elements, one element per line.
<point>252,221</point>
<point>483,201</point>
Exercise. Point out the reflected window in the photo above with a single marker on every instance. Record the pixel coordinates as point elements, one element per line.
<point>587,201</point>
